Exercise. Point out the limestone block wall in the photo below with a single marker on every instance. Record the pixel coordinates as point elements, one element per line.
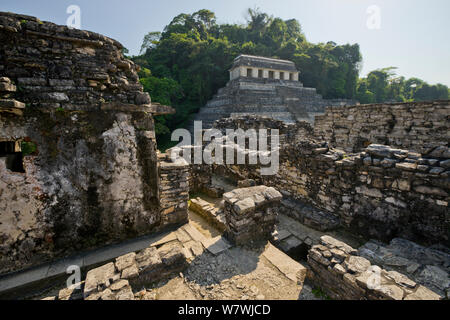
<point>251,213</point>
<point>173,190</point>
<point>287,132</point>
<point>418,126</point>
<point>78,164</point>
<point>381,192</point>
<point>337,269</point>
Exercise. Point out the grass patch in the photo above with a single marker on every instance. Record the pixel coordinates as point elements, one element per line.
<point>28,148</point>
<point>319,293</point>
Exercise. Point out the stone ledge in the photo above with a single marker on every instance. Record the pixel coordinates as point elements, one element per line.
<point>94,43</point>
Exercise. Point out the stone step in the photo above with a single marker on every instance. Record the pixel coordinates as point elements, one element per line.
<point>256,108</point>
<point>283,116</point>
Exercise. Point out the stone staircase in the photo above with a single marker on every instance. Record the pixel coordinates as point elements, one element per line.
<point>287,101</point>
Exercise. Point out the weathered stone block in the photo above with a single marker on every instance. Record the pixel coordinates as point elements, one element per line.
<point>125,261</point>
<point>99,278</point>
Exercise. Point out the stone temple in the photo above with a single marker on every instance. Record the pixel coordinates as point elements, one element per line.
<point>267,87</point>
<point>363,192</point>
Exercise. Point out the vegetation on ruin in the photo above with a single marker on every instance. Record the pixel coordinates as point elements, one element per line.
<point>319,293</point>
<point>28,148</point>
<point>186,63</point>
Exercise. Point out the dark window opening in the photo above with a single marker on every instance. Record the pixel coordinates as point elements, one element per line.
<point>282,75</point>
<point>291,76</point>
<point>249,72</point>
<point>271,74</point>
<point>260,73</point>
<point>13,159</point>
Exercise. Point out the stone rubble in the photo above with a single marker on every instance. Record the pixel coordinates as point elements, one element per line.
<point>428,266</point>
<point>210,212</point>
<point>337,268</point>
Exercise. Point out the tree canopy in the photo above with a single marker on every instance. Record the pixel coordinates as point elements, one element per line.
<point>383,85</point>
<point>186,63</point>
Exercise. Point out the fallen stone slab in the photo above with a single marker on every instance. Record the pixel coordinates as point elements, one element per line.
<point>289,267</point>
<point>194,233</point>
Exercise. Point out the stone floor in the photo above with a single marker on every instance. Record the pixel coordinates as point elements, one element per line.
<point>220,271</point>
<point>236,273</point>
<point>36,278</point>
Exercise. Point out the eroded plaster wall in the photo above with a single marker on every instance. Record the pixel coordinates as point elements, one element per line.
<point>74,105</point>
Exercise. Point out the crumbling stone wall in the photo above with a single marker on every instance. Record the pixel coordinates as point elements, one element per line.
<point>380,192</point>
<point>73,108</point>
<point>337,269</point>
<point>288,133</point>
<point>173,189</point>
<point>200,174</point>
<point>251,213</point>
<point>417,126</point>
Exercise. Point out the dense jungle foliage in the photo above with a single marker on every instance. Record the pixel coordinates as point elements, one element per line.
<point>186,63</point>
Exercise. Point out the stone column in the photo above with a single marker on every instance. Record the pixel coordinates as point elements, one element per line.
<point>265,73</point>
<point>276,74</point>
<point>296,76</point>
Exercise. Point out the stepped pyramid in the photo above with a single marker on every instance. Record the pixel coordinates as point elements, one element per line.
<point>266,87</point>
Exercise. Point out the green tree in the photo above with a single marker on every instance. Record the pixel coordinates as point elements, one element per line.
<point>383,85</point>
<point>151,40</point>
<point>186,63</point>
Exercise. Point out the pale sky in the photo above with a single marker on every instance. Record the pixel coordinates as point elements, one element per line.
<point>413,34</point>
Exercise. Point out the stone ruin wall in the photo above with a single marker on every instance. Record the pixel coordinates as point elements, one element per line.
<point>95,176</point>
<point>173,190</point>
<point>415,126</point>
<point>90,175</point>
<point>374,193</point>
<point>381,192</point>
<point>344,275</point>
